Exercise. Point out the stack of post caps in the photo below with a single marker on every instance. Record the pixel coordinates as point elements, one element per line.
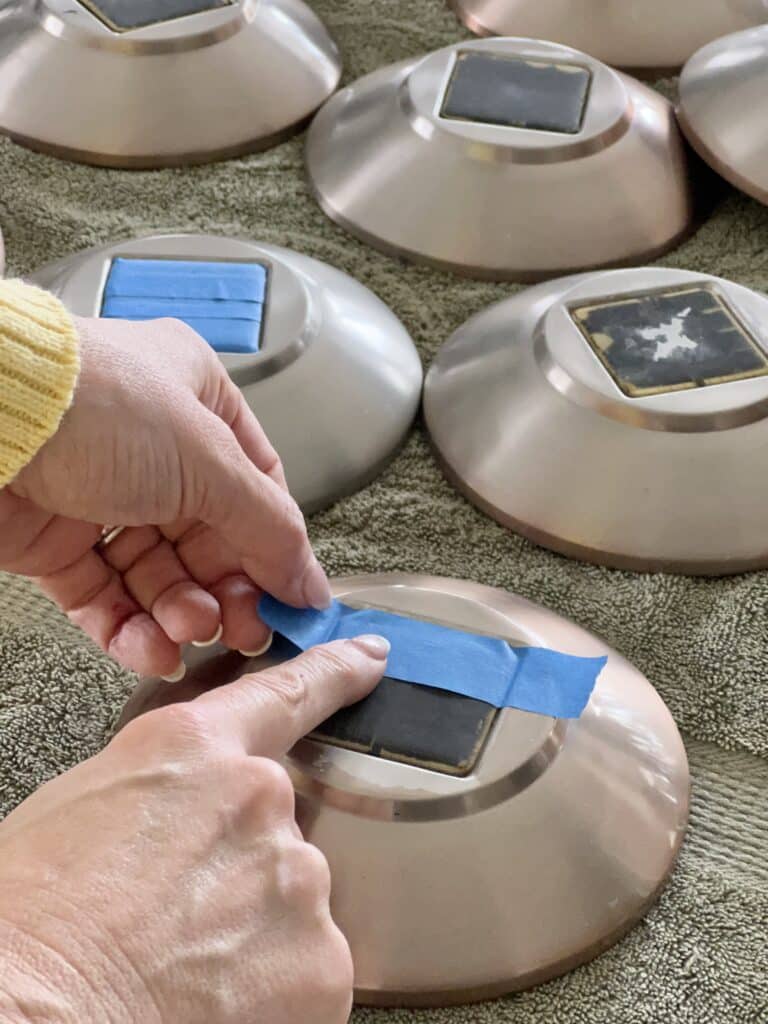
<point>330,371</point>
<point>504,158</point>
<point>475,849</point>
<point>644,36</point>
<point>722,98</point>
<point>619,417</point>
<point>150,83</point>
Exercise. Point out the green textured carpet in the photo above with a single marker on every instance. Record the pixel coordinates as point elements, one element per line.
<point>700,957</point>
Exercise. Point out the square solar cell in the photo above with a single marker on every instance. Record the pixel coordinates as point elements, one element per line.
<point>223,301</point>
<point>123,15</point>
<point>517,93</point>
<point>670,340</point>
<point>418,725</point>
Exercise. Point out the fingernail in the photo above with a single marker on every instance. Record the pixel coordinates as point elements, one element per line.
<point>317,590</point>
<point>261,650</point>
<point>176,676</point>
<point>376,646</point>
<point>214,639</point>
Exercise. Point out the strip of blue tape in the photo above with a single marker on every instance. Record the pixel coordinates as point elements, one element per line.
<point>234,336</point>
<point>222,301</point>
<point>126,306</point>
<point>485,668</point>
<point>186,279</point>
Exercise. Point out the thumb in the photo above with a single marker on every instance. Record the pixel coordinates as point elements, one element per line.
<point>250,512</point>
<point>268,712</point>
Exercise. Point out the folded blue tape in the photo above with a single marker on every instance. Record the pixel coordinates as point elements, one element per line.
<point>482,667</point>
<point>186,279</point>
<point>222,301</point>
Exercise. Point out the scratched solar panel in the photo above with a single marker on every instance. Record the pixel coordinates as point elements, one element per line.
<point>123,15</point>
<point>433,729</point>
<point>670,340</point>
<point>516,93</point>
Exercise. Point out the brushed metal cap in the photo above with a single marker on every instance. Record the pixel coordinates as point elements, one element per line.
<point>643,36</point>
<point>417,160</point>
<point>218,82</point>
<point>722,92</point>
<point>452,889</point>
<point>337,380</point>
<point>620,418</point>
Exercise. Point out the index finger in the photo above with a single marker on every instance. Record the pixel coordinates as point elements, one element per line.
<point>270,711</point>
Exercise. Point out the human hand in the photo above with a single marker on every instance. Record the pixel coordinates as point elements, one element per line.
<point>166,881</point>
<point>160,440</point>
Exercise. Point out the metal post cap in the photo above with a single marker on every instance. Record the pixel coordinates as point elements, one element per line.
<point>451,889</point>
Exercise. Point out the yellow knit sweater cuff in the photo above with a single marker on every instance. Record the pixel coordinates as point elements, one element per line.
<point>39,364</point>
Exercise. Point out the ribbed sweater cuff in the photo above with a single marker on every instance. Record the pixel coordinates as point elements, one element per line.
<point>39,364</point>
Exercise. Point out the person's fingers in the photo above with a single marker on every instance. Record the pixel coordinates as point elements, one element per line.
<point>33,542</point>
<point>243,630</point>
<point>216,566</point>
<point>268,712</point>
<point>156,578</point>
<point>250,512</point>
<point>94,598</point>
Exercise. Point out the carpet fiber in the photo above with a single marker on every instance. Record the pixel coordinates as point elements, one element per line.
<point>701,956</point>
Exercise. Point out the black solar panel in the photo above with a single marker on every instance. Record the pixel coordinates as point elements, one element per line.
<point>517,93</point>
<point>419,725</point>
<point>128,14</point>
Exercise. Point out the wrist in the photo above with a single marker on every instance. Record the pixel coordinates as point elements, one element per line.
<point>35,986</point>
<point>26,997</point>
<point>59,978</point>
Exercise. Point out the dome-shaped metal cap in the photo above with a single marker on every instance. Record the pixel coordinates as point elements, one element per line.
<point>620,417</point>
<point>152,83</point>
<point>329,370</point>
<point>643,36</point>
<point>451,889</point>
<point>722,97</point>
<point>505,158</point>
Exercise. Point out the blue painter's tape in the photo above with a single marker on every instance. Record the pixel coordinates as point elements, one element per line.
<point>486,668</point>
<point>237,337</point>
<point>152,309</point>
<point>186,279</point>
<point>223,302</point>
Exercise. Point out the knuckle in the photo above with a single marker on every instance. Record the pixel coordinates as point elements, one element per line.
<point>169,730</point>
<point>288,684</point>
<point>331,664</point>
<point>269,785</point>
<point>305,878</point>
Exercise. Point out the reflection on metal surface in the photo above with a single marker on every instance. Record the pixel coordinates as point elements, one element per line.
<point>336,380</point>
<point>639,35</point>
<point>217,80</point>
<point>506,159</point>
<point>452,889</point>
<point>722,96</point>
<point>619,417</point>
